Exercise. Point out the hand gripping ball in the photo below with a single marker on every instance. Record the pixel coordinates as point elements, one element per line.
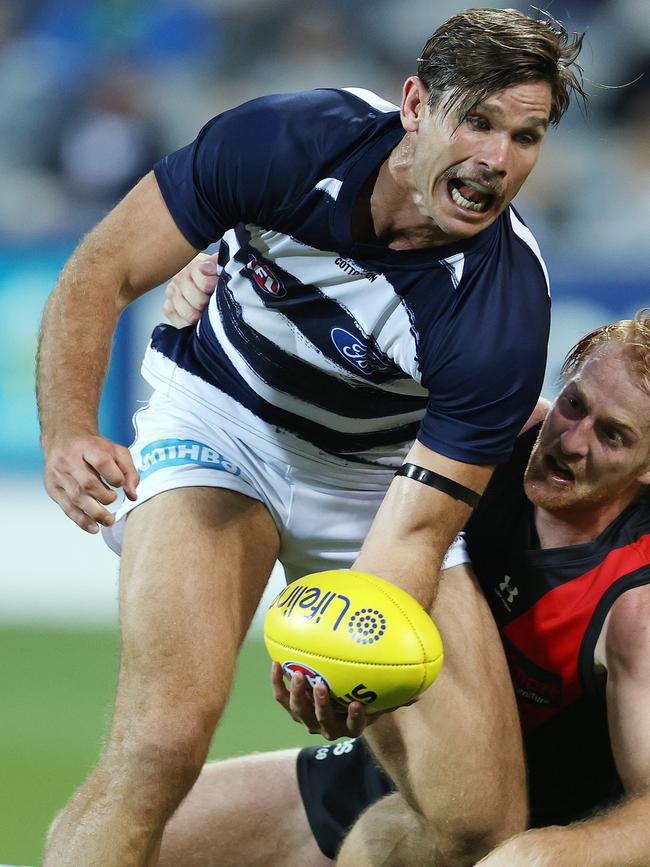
<point>366,639</point>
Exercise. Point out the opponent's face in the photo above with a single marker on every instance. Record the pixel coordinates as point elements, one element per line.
<point>465,173</point>
<point>594,446</point>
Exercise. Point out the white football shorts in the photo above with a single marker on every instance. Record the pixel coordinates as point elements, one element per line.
<point>322,508</point>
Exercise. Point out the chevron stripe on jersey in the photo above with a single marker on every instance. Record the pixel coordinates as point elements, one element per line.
<point>550,604</point>
<point>352,348</point>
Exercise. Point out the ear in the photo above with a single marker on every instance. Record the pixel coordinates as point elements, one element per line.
<point>644,478</point>
<point>414,103</point>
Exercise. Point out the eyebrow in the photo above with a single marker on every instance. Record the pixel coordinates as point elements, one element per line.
<point>609,419</point>
<point>529,122</point>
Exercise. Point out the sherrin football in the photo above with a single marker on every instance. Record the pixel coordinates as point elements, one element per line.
<point>363,637</point>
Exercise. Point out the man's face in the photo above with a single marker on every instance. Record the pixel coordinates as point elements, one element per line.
<point>594,447</point>
<point>466,173</point>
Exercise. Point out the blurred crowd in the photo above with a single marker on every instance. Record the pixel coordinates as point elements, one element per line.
<point>92,92</point>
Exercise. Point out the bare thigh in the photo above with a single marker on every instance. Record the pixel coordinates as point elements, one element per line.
<point>243,812</point>
<point>457,755</point>
<point>194,564</point>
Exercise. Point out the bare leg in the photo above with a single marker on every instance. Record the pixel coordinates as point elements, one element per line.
<point>456,755</point>
<point>391,833</point>
<point>243,812</point>
<point>195,562</point>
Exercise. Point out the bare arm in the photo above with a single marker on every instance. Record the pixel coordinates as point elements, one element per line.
<point>406,543</point>
<point>416,524</point>
<point>621,836</point>
<point>133,249</point>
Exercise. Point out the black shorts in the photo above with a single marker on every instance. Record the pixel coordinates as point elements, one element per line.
<point>337,782</point>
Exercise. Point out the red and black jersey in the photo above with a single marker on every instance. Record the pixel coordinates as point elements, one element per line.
<point>550,606</point>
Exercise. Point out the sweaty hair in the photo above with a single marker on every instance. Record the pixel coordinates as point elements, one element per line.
<point>482,51</point>
<point>631,334</point>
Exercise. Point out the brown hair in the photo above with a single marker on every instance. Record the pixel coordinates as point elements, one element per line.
<point>632,334</point>
<point>482,51</point>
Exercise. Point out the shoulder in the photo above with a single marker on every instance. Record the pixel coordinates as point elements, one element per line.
<point>538,414</point>
<point>325,114</point>
<point>625,640</point>
<point>526,251</point>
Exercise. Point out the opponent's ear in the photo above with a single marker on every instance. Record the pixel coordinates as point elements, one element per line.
<point>414,103</point>
<point>644,478</point>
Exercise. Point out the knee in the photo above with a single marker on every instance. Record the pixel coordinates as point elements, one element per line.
<point>461,841</point>
<point>162,754</point>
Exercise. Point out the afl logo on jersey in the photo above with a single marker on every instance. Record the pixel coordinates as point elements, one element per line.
<point>263,277</point>
<point>358,353</point>
<point>311,675</point>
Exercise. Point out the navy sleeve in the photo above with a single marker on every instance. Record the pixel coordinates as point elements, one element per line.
<point>247,164</point>
<point>485,373</point>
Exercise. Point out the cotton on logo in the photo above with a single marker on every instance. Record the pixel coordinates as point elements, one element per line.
<point>503,588</point>
<point>264,277</point>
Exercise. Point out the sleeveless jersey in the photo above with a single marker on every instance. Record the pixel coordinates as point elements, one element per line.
<point>333,347</point>
<point>550,606</point>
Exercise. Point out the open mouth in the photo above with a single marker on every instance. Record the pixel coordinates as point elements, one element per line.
<point>470,195</point>
<point>558,471</point>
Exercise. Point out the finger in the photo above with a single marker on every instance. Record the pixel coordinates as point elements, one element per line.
<point>89,506</point>
<point>280,691</point>
<point>130,476</point>
<point>332,724</point>
<point>300,704</point>
<point>173,317</point>
<point>80,479</point>
<point>208,263</point>
<point>188,314</point>
<point>115,467</point>
<point>77,515</point>
<point>356,719</point>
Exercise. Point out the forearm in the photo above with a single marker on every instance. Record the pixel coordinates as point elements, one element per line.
<point>618,838</point>
<point>416,523</point>
<point>74,347</point>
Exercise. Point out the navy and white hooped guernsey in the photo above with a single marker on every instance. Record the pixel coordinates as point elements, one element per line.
<point>327,345</point>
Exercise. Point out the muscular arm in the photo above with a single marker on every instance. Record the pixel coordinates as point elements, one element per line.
<point>133,249</point>
<point>621,836</point>
<point>416,524</point>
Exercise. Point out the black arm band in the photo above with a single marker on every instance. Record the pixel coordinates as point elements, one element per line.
<point>440,483</point>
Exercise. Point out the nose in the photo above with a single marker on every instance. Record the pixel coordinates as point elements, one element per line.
<point>496,152</point>
<point>574,440</point>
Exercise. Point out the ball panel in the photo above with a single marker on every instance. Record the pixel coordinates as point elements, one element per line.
<point>378,687</point>
<point>354,616</point>
<point>366,638</point>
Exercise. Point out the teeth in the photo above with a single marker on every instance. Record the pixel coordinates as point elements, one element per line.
<point>460,199</point>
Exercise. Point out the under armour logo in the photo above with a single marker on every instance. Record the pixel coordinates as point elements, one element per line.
<point>504,586</point>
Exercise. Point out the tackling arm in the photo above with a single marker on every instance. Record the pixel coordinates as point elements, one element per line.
<point>133,249</point>
<point>621,836</point>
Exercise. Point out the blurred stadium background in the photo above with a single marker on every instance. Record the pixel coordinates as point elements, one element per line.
<point>91,93</point>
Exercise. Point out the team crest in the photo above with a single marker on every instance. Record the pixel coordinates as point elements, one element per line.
<point>261,274</point>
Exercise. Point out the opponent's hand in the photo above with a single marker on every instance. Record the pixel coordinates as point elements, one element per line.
<point>314,709</point>
<point>553,846</point>
<point>78,474</point>
<point>187,294</point>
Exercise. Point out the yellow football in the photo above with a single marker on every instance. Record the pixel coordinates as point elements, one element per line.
<point>365,638</point>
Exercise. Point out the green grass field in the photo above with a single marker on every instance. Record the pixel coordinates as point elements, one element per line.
<point>56,693</point>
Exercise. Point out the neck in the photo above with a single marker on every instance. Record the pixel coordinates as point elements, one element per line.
<point>562,528</point>
<point>387,211</point>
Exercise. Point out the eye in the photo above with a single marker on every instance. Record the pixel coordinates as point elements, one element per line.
<point>613,436</point>
<point>478,122</point>
<point>527,139</point>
